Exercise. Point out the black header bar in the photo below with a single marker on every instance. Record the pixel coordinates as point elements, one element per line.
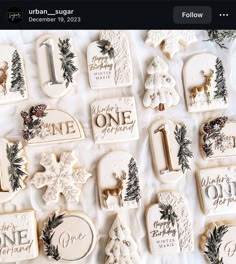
<point>118,15</point>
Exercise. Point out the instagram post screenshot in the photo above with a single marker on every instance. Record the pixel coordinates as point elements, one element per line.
<point>117,132</point>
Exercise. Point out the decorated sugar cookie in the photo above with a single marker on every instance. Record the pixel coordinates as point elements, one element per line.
<point>170,40</point>
<point>169,225</point>
<point>218,138</point>
<point>204,83</point>
<point>118,180</point>
<point>160,90</point>
<point>171,150</point>
<point>43,126</point>
<point>68,236</point>
<point>56,63</point>
<point>121,247</point>
<point>13,171</point>
<point>61,177</point>
<point>18,236</point>
<point>114,120</point>
<point>218,243</point>
<point>216,188</point>
<point>13,85</point>
<point>109,61</point>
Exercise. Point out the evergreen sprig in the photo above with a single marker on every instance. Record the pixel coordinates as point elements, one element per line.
<point>48,233</point>
<point>15,168</point>
<point>67,60</point>
<point>106,48</point>
<point>213,244</point>
<point>221,36</point>
<point>184,153</point>
<point>167,213</point>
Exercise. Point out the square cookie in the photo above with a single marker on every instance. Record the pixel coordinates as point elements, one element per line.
<point>114,120</point>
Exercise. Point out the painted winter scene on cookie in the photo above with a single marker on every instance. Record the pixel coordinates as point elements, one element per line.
<point>204,83</point>
<point>118,181</point>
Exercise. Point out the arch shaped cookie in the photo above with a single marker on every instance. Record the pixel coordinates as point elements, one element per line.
<point>169,225</point>
<point>44,126</point>
<point>118,181</point>
<point>13,83</point>
<point>170,149</point>
<point>109,61</point>
<point>204,83</point>
<point>56,71</point>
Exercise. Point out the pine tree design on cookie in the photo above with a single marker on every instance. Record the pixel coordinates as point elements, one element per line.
<point>67,64</point>
<point>13,84</point>
<point>33,121</point>
<point>61,177</point>
<point>17,76</point>
<point>121,247</point>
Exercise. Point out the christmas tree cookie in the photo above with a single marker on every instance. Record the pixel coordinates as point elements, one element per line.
<point>204,83</point>
<point>218,243</point>
<point>170,41</point>
<point>169,225</point>
<point>160,90</point>
<point>49,126</point>
<point>68,236</point>
<point>13,84</point>
<point>121,247</point>
<point>171,150</point>
<point>57,64</point>
<point>61,177</point>
<point>118,181</point>
<point>13,169</point>
<point>109,61</point>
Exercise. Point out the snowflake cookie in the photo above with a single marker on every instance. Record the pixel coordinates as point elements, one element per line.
<point>121,247</point>
<point>159,86</point>
<point>62,177</point>
<point>170,40</point>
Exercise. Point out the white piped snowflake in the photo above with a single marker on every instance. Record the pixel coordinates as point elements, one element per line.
<point>61,177</point>
<point>170,40</point>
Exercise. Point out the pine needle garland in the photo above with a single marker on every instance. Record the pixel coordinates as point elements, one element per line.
<point>221,36</point>
<point>48,233</point>
<point>15,168</point>
<point>167,213</point>
<point>213,244</point>
<point>67,60</point>
<point>184,153</point>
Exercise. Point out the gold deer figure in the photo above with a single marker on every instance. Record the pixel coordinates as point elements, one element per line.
<point>206,87</point>
<point>115,191</point>
<point>3,76</point>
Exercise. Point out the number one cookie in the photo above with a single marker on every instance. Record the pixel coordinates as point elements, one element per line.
<point>56,63</point>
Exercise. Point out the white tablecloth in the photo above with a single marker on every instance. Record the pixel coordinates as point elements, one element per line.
<point>77,102</point>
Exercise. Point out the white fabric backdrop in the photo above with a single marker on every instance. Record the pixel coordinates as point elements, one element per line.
<point>77,102</point>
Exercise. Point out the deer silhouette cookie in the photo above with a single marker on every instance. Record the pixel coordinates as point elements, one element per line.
<point>118,179</point>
